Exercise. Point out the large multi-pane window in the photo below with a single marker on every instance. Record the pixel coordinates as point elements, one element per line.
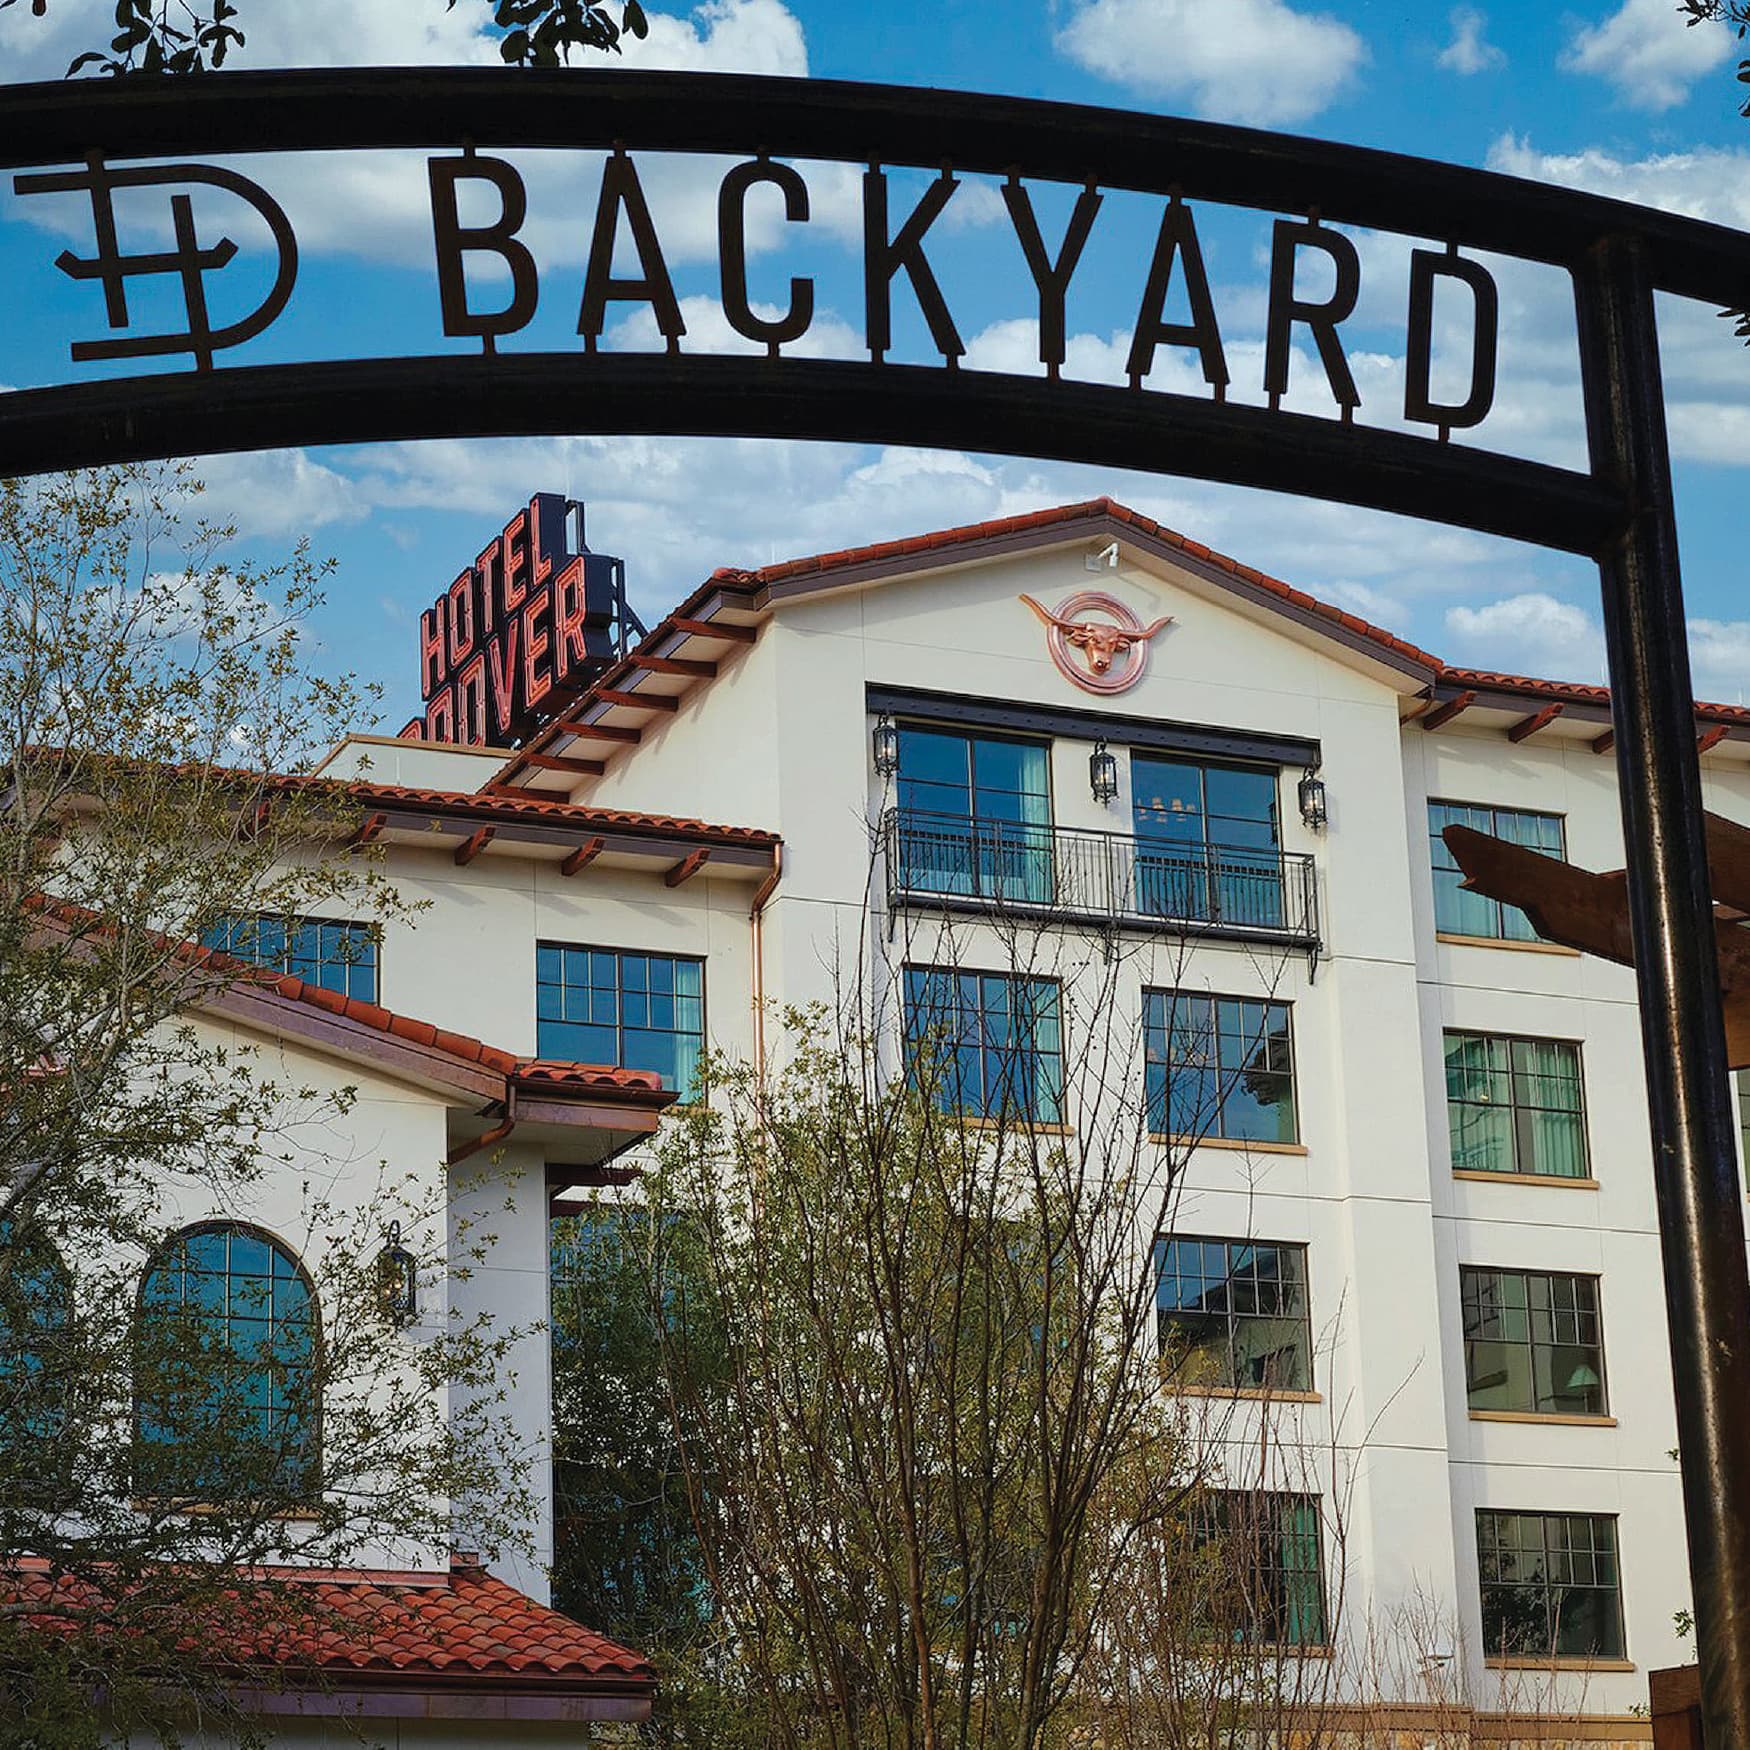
<point>1461,913</point>
<point>1515,1105</point>
<point>36,1356</point>
<point>1533,1342</point>
<point>1208,849</point>
<point>1233,1314</point>
<point>225,1369</point>
<point>1264,1582</point>
<point>612,1006</point>
<point>987,1044</point>
<point>1218,1066</point>
<point>1551,1585</point>
<point>974,814</point>
<point>327,952</point>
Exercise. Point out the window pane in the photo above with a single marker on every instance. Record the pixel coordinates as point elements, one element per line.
<point>628,1010</point>
<point>1515,1105</point>
<point>1234,1314</point>
<point>231,1414</point>
<point>1550,1585</point>
<point>1218,1067</point>
<point>1533,1342</point>
<point>1469,914</point>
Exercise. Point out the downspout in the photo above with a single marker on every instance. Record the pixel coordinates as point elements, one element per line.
<point>756,930</point>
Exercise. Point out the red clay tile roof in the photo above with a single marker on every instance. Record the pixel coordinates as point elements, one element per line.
<point>634,1086</point>
<point>644,1087</point>
<point>496,805</point>
<point>463,1624</point>
<point>754,587</point>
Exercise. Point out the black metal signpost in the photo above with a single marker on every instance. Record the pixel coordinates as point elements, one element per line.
<point>1619,511</point>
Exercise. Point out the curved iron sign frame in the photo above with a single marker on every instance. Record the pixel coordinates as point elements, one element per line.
<point>1618,511</point>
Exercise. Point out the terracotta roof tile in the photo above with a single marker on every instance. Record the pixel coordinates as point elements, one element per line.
<point>460,1624</point>
<point>1105,511</point>
<point>488,805</point>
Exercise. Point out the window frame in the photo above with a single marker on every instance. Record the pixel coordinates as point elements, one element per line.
<point>687,1094</point>
<point>1231,1385</point>
<point>370,933</point>
<point>1029,1120</point>
<point>1467,1272</point>
<point>1203,1532</point>
<point>1517,1111</point>
<point>1437,851</point>
<point>1227,1080</point>
<point>1550,1589</point>
<point>314,1486</point>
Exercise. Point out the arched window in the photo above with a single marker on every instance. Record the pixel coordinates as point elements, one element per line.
<point>225,1387</point>
<point>36,1360</point>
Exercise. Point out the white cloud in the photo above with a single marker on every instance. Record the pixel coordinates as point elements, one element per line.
<point>1256,61</point>
<point>1529,633</point>
<point>1706,182</point>
<point>376,205</point>
<point>828,336</point>
<point>1719,654</point>
<point>1470,51</point>
<point>724,36</point>
<point>1647,52</point>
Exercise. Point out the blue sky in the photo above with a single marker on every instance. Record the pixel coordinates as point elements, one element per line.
<point>1608,95</point>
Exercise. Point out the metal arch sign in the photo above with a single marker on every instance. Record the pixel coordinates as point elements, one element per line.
<point>1617,510</point>
<point>467,119</point>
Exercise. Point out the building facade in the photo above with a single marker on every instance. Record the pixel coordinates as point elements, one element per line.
<point>1414,1227</point>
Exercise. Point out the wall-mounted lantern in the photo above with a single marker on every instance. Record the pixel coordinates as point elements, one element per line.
<point>1103,773</point>
<point>884,745</point>
<point>1312,800</point>
<point>398,1280</point>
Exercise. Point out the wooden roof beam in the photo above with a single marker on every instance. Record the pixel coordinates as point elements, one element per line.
<point>691,668</point>
<point>582,857</point>
<point>1527,727</point>
<point>687,867</point>
<point>601,731</point>
<point>1443,714</point>
<point>1711,738</point>
<point>1605,742</point>
<point>727,630</point>
<point>369,833</point>
<point>474,844</point>
<point>558,762</point>
<point>637,701</point>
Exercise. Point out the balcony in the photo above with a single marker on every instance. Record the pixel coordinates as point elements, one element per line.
<point>1107,879</point>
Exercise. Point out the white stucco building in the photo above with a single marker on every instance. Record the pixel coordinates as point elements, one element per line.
<point>1432,1174</point>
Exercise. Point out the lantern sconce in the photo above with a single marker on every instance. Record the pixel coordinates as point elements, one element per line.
<point>1103,773</point>
<point>398,1280</point>
<point>1311,794</point>
<point>884,745</point>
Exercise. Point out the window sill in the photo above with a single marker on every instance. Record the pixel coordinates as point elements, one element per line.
<point>191,1509</point>
<point>1457,941</point>
<point>1557,1180</point>
<point>1555,1418</point>
<point>1015,1126</point>
<point>1255,1394</point>
<point>1516,1663</point>
<point>1236,1144</point>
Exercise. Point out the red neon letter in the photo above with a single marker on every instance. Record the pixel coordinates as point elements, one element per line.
<point>501,672</point>
<point>461,618</point>
<point>434,664</point>
<point>537,674</point>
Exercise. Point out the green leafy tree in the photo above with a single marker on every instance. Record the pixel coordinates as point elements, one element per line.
<point>152,1441</point>
<point>173,36</point>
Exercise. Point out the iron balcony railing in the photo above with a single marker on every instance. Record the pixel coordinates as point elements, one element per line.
<point>1005,865</point>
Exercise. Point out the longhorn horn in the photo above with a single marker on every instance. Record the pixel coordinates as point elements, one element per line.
<point>1149,631</point>
<point>1046,616</point>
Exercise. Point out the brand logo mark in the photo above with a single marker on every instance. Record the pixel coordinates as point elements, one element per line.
<point>187,259</point>
<point>1104,655</point>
